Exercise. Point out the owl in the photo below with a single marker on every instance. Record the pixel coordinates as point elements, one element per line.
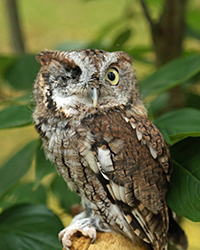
<point>95,129</point>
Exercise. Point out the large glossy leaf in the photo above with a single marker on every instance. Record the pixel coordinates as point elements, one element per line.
<point>23,193</point>
<point>43,166</point>
<point>190,31</point>
<point>158,104</point>
<point>28,227</point>
<point>193,19</point>
<point>179,124</point>
<point>193,101</point>
<point>184,193</point>
<point>16,167</point>
<point>15,116</point>
<point>23,73</point>
<point>5,63</point>
<point>170,75</point>
<point>65,195</point>
<point>139,52</point>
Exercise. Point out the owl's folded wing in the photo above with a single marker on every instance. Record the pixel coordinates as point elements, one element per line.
<point>135,168</point>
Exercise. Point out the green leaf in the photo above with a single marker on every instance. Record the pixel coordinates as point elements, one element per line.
<point>5,63</point>
<point>170,75</point>
<point>16,167</point>
<point>28,227</point>
<point>24,99</point>
<point>65,195</point>
<point>193,101</point>
<point>23,193</point>
<point>23,73</point>
<point>15,116</point>
<point>179,124</point>
<point>184,193</point>
<point>190,31</point>
<point>105,30</point>
<point>193,18</point>
<point>158,104</point>
<point>120,40</point>
<point>139,53</point>
<point>43,166</point>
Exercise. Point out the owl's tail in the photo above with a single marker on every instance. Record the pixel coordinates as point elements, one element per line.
<point>176,235</point>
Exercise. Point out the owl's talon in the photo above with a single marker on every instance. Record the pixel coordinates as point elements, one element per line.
<point>82,226</point>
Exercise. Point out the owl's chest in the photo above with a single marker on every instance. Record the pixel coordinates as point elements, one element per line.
<point>108,127</point>
<point>89,133</point>
<point>98,129</point>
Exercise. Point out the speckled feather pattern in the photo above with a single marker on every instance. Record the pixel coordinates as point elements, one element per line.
<point>112,155</point>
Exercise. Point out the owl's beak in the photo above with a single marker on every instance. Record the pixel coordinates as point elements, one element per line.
<point>95,97</point>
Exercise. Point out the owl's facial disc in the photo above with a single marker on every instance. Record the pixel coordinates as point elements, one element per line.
<point>94,87</point>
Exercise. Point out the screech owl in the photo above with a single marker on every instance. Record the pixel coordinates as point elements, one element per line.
<point>95,129</point>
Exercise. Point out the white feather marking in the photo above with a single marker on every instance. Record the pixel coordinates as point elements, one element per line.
<point>48,134</point>
<point>139,135</point>
<point>146,240</point>
<point>105,159</point>
<point>144,142</point>
<point>44,127</point>
<point>142,222</point>
<point>104,176</point>
<point>115,189</point>
<point>111,192</point>
<point>129,218</point>
<point>91,161</point>
<point>100,170</point>
<point>122,193</point>
<point>137,232</point>
<point>153,152</point>
<point>133,125</point>
<point>126,119</point>
<point>63,101</point>
<point>120,221</point>
<point>52,142</point>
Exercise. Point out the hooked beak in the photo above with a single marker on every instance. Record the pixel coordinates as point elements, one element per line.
<point>95,97</point>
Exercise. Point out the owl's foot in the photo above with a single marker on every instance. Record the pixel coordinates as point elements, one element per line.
<point>83,226</point>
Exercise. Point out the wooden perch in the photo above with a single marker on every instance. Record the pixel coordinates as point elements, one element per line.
<point>106,241</point>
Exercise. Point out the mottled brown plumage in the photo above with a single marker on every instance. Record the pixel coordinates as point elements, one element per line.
<point>95,129</point>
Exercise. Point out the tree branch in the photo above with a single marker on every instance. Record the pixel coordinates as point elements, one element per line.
<point>106,241</point>
<point>168,31</point>
<point>15,30</point>
<point>146,12</point>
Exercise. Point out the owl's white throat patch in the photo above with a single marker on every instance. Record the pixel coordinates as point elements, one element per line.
<point>70,104</point>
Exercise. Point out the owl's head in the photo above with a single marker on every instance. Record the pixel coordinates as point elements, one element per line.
<point>87,79</point>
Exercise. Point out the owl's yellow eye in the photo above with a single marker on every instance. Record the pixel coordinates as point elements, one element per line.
<point>112,76</point>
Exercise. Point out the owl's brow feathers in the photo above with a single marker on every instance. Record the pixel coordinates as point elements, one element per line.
<point>45,57</point>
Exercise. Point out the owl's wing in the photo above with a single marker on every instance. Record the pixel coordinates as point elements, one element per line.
<point>134,165</point>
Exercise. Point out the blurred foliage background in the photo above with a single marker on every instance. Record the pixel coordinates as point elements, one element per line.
<point>163,37</point>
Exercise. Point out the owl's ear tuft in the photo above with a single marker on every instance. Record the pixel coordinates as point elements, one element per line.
<point>124,56</point>
<point>45,57</point>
